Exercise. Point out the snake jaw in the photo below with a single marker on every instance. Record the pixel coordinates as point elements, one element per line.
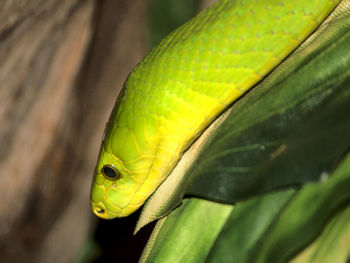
<point>105,208</point>
<point>99,209</point>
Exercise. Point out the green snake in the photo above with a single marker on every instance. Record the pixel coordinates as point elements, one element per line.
<point>184,83</point>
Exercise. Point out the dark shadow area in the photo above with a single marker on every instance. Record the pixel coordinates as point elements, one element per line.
<point>116,241</point>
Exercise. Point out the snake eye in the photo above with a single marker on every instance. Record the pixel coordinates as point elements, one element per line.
<point>110,172</point>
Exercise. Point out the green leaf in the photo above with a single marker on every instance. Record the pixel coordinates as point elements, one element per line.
<point>332,245</point>
<point>305,217</point>
<point>245,226</point>
<point>269,228</point>
<point>187,235</point>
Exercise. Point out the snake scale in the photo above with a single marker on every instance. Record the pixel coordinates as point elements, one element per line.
<point>184,83</point>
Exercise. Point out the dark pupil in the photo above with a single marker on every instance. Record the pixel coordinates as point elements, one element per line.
<point>109,172</point>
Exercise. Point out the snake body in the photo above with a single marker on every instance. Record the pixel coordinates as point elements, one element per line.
<point>182,85</point>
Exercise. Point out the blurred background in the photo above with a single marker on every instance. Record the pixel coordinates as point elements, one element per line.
<point>63,63</point>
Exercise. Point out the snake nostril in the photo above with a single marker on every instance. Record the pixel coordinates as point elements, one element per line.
<point>99,210</point>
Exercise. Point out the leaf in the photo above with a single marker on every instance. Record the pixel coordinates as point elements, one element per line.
<point>187,235</point>
<point>332,245</point>
<point>305,217</point>
<point>276,233</point>
<point>269,228</point>
<point>245,226</point>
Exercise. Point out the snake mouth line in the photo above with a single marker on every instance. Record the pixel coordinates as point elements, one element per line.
<point>100,211</point>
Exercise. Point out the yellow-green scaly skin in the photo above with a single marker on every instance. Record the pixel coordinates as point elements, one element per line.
<point>185,82</point>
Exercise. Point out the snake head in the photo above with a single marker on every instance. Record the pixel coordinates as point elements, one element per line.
<point>112,190</point>
<point>124,177</point>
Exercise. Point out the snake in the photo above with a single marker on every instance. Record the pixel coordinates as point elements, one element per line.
<point>184,83</point>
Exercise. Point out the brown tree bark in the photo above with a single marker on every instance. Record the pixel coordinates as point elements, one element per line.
<point>63,63</point>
